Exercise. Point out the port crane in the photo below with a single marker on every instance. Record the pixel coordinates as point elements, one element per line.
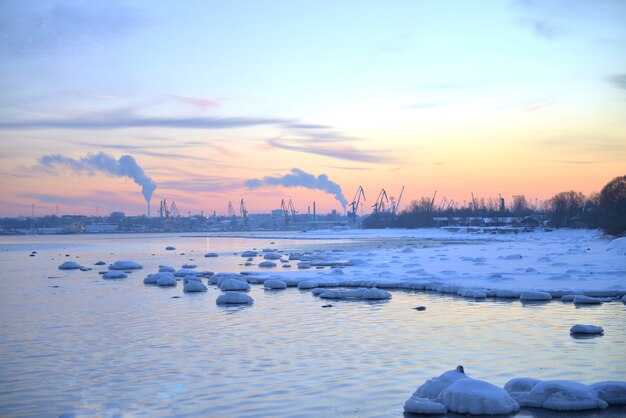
<point>356,202</point>
<point>231,210</point>
<point>292,210</point>
<point>168,212</point>
<point>284,210</point>
<point>243,211</point>
<point>395,205</point>
<point>381,202</point>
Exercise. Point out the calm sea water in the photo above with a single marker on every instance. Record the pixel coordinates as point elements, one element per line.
<point>71,342</point>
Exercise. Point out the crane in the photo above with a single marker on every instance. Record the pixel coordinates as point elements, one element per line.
<point>442,204</point>
<point>380,205</point>
<point>292,210</point>
<point>432,201</point>
<point>394,207</point>
<point>356,202</point>
<point>474,205</point>
<point>231,210</point>
<point>243,211</point>
<point>174,210</point>
<point>284,210</point>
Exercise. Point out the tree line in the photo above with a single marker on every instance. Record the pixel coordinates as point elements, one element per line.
<point>605,210</point>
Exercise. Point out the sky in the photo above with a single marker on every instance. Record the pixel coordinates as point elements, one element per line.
<point>107,103</point>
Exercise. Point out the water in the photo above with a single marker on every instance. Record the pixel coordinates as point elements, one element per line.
<point>96,347</point>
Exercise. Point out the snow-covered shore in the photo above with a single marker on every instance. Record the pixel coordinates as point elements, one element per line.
<point>559,262</point>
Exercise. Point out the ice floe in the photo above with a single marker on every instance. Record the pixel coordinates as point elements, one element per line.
<point>267,264</point>
<point>189,266</point>
<point>170,248</point>
<point>233,298</point>
<point>169,269</point>
<point>114,274</point>
<point>534,296</point>
<point>477,397</point>
<point>612,392</point>
<point>586,300</point>
<point>274,284</point>
<point>559,395</point>
<point>211,255</point>
<point>233,284</point>
<point>360,293</point>
<point>166,281</point>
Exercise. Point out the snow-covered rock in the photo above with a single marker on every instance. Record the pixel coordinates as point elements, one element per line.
<point>472,293</point>
<point>586,329</point>
<point>164,269</point>
<point>586,300</point>
<point>114,274</point>
<point>417,405</point>
<point>477,397</point>
<point>267,264</point>
<point>70,265</point>
<point>508,293</point>
<point>274,284</point>
<point>211,255</point>
<point>189,266</point>
<point>233,298</point>
<point>233,284</point>
<point>432,388</point>
<point>99,263</point>
<point>272,256</point>
<point>612,392</point>
<point>247,254</point>
<point>521,384</point>
<point>184,272</point>
<point>192,278</point>
<point>560,395</point>
<point>307,284</point>
<point>170,248</point>
<point>532,296</point>
<point>166,281</point>
<point>194,286</point>
<point>125,265</point>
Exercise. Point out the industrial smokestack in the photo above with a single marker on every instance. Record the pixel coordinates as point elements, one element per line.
<point>314,213</point>
<point>148,208</point>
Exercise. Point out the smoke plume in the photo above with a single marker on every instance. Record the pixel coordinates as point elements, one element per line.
<point>126,166</point>
<point>299,178</point>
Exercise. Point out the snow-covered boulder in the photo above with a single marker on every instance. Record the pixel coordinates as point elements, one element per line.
<point>272,256</point>
<point>234,284</point>
<point>532,296</point>
<point>189,266</point>
<point>125,265</point>
<point>220,277</point>
<point>150,279</point>
<point>247,254</point>
<point>114,274</point>
<point>521,384</point>
<point>435,386</point>
<point>70,265</point>
<point>170,248</point>
<point>166,281</point>
<point>477,397</point>
<point>194,286</point>
<point>612,392</point>
<point>267,264</point>
<point>274,284</point>
<point>99,263</point>
<point>560,395</point>
<point>586,329</point>
<point>234,298</point>
<point>508,294</point>
<point>211,255</point>
<point>164,269</point>
<point>423,406</point>
<point>624,299</point>
<point>192,278</point>
<point>303,265</point>
<point>185,272</point>
<point>587,300</point>
<point>307,284</point>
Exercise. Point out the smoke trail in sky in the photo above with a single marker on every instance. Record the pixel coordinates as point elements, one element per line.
<point>125,166</point>
<point>299,178</point>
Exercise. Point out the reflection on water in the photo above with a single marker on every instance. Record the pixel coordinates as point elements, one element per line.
<point>92,346</point>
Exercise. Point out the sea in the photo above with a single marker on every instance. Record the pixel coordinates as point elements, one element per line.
<point>73,344</point>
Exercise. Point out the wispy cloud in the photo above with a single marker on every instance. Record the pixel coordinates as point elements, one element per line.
<point>120,122</point>
<point>545,29</point>
<point>618,81</point>
<point>202,104</point>
<point>535,107</point>
<point>339,151</point>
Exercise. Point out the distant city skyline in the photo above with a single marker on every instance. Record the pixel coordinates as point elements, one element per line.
<point>211,102</point>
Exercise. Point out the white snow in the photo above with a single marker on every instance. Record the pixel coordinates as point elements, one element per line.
<point>70,265</point>
<point>433,387</point>
<point>125,265</point>
<point>233,284</point>
<point>274,284</point>
<point>586,329</point>
<point>234,298</point>
<point>612,392</point>
<point>476,397</point>
<point>560,395</point>
<point>194,286</point>
<point>114,274</point>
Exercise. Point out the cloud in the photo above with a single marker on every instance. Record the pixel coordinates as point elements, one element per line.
<point>343,152</point>
<point>125,166</point>
<point>53,199</point>
<point>202,104</point>
<point>545,30</point>
<point>535,106</point>
<point>300,178</point>
<point>117,121</point>
<point>618,81</point>
<point>37,28</point>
